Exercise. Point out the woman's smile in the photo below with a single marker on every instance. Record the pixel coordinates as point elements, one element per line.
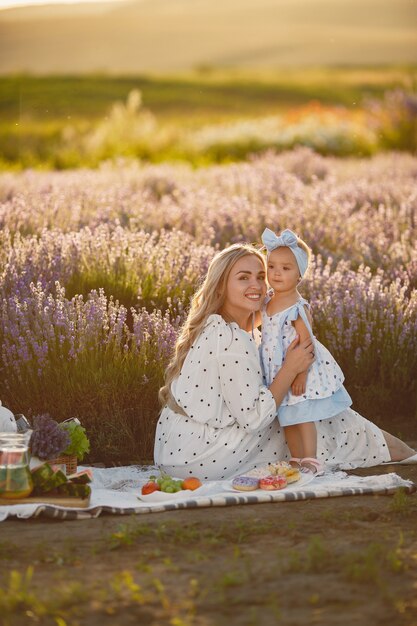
<point>245,289</point>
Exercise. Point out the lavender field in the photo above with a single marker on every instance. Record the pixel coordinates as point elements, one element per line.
<point>97,269</point>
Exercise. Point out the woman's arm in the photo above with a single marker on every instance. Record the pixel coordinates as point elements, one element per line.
<point>299,357</point>
<point>250,403</point>
<point>248,400</point>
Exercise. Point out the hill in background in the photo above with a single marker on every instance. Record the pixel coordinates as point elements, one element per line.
<point>176,35</point>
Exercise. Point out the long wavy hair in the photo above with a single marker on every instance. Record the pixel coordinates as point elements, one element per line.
<point>208,299</point>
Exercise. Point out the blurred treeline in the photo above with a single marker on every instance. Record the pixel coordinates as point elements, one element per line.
<point>209,116</point>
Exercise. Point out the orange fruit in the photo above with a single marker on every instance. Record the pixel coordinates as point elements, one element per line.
<point>191,483</point>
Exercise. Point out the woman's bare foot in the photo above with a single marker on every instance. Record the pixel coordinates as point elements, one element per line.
<point>399,451</point>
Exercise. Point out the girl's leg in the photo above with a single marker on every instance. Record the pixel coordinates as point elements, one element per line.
<point>398,449</point>
<point>308,435</point>
<point>294,441</point>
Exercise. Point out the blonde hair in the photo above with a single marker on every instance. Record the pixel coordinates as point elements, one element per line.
<point>208,299</point>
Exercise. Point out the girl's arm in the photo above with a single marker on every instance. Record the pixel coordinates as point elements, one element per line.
<point>301,328</point>
<point>299,384</point>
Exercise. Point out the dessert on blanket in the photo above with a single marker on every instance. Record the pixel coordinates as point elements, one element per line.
<point>168,484</point>
<point>273,482</point>
<point>282,468</point>
<point>245,483</point>
<point>259,472</point>
<point>292,474</point>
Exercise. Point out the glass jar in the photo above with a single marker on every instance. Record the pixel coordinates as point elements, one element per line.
<point>15,477</point>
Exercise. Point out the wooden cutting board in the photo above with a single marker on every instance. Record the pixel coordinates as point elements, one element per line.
<point>67,501</point>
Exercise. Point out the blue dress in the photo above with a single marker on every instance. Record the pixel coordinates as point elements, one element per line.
<point>325,395</point>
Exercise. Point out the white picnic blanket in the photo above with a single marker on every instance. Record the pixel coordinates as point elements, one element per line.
<point>118,491</point>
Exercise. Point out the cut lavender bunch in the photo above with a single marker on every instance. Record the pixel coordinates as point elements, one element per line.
<point>48,440</point>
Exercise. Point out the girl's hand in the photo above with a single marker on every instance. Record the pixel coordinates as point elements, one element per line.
<point>300,356</point>
<point>299,384</point>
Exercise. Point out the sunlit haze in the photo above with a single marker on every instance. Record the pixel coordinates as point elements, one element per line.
<point>10,4</point>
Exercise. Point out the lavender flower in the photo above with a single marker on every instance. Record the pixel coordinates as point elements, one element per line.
<point>48,440</point>
<point>97,269</point>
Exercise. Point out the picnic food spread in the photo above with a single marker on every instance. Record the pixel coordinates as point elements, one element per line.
<point>18,484</point>
<point>46,481</point>
<point>292,474</point>
<point>271,477</point>
<point>50,480</point>
<point>168,484</point>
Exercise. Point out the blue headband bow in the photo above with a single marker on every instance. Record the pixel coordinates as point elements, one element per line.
<point>287,239</point>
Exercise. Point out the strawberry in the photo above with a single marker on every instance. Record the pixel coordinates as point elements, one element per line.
<point>150,487</point>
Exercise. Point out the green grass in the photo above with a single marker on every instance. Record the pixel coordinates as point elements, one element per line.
<point>206,95</point>
<point>243,569</point>
<point>46,121</point>
<point>400,504</point>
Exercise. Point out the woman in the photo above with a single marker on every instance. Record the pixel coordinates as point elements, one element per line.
<point>219,418</point>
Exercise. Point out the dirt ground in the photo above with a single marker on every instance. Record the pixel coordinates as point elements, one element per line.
<point>329,562</point>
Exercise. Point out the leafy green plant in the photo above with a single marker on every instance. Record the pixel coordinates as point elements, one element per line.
<point>79,445</point>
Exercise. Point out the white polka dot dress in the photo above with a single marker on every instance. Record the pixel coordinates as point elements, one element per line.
<point>230,424</point>
<point>325,395</point>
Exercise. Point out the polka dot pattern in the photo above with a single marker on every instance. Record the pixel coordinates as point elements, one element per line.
<point>230,425</point>
<point>324,378</point>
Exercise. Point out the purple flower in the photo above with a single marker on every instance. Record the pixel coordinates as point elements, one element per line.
<point>48,440</point>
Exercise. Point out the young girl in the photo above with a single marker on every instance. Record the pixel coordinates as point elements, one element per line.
<point>318,393</point>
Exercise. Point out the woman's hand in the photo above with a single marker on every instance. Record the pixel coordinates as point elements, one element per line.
<point>299,356</point>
